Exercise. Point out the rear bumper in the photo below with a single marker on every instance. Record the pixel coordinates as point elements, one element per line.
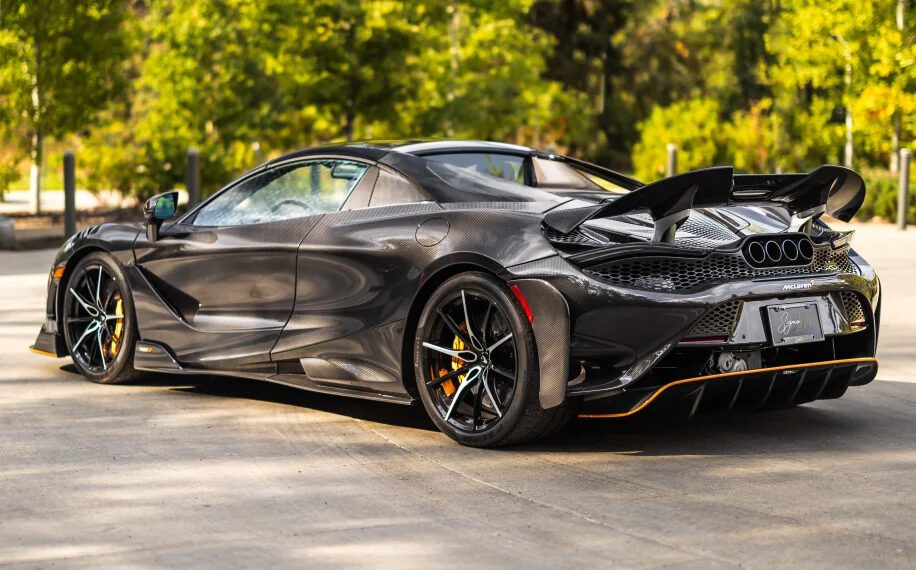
<point>775,387</point>
<point>624,340</point>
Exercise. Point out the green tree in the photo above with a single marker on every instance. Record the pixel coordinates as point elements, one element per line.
<point>481,73</point>
<point>693,125</point>
<point>67,63</point>
<point>350,62</point>
<point>822,56</point>
<point>203,82</point>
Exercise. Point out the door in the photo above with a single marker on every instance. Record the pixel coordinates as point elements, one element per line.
<point>225,276</point>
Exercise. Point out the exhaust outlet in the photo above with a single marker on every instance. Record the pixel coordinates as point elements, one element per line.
<point>770,251</point>
<point>773,251</point>
<point>756,252</point>
<point>805,250</point>
<point>790,250</point>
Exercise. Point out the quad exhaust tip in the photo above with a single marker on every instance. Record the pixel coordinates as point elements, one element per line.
<point>779,251</point>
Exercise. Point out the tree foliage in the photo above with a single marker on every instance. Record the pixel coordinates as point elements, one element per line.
<point>61,62</point>
<point>762,84</point>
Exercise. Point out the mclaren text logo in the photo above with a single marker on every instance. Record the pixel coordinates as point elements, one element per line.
<point>797,286</point>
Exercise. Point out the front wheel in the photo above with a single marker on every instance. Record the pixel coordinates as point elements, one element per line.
<point>98,321</point>
<point>475,363</point>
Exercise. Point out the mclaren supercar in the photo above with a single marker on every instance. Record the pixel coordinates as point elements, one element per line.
<point>504,288</point>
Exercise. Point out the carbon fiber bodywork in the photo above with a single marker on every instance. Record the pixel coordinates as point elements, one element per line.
<point>330,302</point>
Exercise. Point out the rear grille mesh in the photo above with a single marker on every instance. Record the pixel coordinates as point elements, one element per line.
<point>720,321</point>
<point>855,314</point>
<point>682,273</point>
<point>576,236</point>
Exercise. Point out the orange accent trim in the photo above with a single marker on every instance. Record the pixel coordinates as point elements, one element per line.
<point>658,392</point>
<point>59,271</point>
<point>42,352</point>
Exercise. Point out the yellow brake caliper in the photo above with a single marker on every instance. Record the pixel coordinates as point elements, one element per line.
<point>118,329</point>
<point>448,385</point>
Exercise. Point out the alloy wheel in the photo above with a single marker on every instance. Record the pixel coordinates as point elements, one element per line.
<point>95,319</point>
<point>470,360</point>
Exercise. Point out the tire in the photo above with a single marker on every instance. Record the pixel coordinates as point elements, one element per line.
<point>100,342</point>
<point>498,404</point>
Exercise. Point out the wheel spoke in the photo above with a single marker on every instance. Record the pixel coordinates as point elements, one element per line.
<point>497,344</point>
<point>478,400</point>
<point>467,320</point>
<point>472,377</point>
<point>486,386</point>
<point>465,355</point>
<point>456,330</point>
<point>502,372</point>
<point>89,308</point>
<point>111,293</point>
<point>446,377</point>
<point>98,289</point>
<point>98,335</point>
<point>93,326</point>
<point>485,323</point>
<point>79,319</point>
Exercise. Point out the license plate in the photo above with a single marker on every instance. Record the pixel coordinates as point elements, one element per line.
<point>794,324</point>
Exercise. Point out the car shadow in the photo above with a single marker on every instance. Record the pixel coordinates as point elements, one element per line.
<point>263,391</point>
<point>821,426</point>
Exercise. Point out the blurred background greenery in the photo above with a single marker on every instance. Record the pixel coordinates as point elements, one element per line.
<point>766,85</point>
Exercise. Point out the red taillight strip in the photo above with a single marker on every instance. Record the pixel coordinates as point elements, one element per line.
<point>521,299</point>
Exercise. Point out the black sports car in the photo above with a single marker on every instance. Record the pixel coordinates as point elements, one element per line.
<point>506,289</point>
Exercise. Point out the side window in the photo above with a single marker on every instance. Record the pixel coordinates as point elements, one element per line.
<point>284,192</point>
<point>392,188</point>
<point>558,175</point>
<point>508,166</point>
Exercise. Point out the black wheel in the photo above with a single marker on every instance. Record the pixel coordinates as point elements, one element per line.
<point>476,367</point>
<point>98,319</point>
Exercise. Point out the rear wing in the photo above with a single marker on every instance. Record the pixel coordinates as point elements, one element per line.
<point>834,190</point>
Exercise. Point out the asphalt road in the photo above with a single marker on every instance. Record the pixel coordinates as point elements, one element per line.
<point>231,473</point>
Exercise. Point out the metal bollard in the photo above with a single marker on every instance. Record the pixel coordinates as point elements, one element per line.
<point>671,168</point>
<point>193,179</point>
<point>903,194</point>
<point>69,194</point>
<point>7,233</point>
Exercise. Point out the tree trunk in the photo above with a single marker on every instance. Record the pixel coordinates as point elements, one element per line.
<point>847,148</point>
<point>847,80</point>
<point>37,157</point>
<point>36,152</point>
<point>898,115</point>
<point>349,125</point>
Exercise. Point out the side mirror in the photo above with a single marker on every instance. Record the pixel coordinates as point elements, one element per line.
<point>158,209</point>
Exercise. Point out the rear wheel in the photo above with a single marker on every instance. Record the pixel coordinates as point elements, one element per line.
<point>476,367</point>
<point>98,318</point>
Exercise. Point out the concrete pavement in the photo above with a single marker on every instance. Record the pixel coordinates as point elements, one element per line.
<point>238,474</point>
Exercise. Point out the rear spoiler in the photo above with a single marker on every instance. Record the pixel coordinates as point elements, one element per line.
<point>829,189</point>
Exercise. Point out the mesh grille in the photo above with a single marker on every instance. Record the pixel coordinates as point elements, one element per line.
<point>853,307</point>
<point>718,322</point>
<point>704,233</point>
<point>680,273</point>
<point>576,236</point>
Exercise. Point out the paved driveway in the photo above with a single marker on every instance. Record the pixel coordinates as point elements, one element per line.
<point>234,473</point>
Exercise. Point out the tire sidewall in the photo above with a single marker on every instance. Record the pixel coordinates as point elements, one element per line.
<point>527,377</point>
<point>125,356</point>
